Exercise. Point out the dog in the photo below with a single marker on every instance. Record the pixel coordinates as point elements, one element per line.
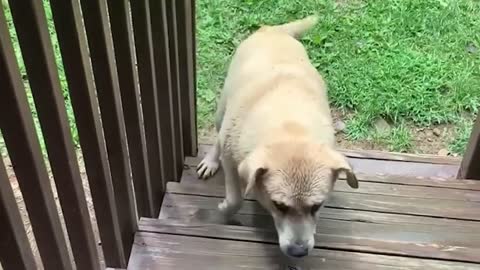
<point>276,136</point>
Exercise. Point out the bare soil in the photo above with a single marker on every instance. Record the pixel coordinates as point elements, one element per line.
<point>425,141</point>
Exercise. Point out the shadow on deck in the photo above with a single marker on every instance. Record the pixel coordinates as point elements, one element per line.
<point>393,221</point>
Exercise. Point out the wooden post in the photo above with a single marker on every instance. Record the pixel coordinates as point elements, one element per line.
<point>470,167</point>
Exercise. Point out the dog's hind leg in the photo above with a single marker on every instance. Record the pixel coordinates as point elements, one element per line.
<point>210,163</point>
<point>233,193</point>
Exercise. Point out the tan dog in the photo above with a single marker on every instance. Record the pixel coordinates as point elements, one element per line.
<point>276,136</point>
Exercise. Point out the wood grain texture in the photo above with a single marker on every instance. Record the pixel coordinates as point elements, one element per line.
<point>373,163</point>
<point>470,168</point>
<point>149,94</point>
<point>413,241</point>
<point>379,188</point>
<point>18,130</point>
<point>163,251</point>
<point>442,208</point>
<point>15,251</point>
<point>122,34</point>
<point>197,208</point>
<point>95,17</point>
<point>31,26</point>
<point>190,175</point>
<point>73,45</point>
<point>406,157</point>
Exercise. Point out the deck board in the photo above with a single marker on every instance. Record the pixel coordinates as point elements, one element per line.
<point>444,208</point>
<point>376,162</point>
<point>390,222</point>
<point>412,240</point>
<point>154,250</point>
<point>198,208</point>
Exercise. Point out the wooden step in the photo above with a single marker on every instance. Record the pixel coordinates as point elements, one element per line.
<point>388,223</point>
<point>385,163</point>
<point>382,232</point>
<point>181,245</point>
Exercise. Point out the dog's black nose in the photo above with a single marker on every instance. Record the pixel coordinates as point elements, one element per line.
<point>297,251</point>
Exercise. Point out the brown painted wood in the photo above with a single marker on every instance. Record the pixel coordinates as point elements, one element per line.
<point>470,168</point>
<point>381,166</point>
<point>108,90</point>
<point>122,33</point>
<point>190,175</point>
<point>73,45</point>
<point>186,53</point>
<point>198,208</point>
<point>413,241</point>
<point>31,26</point>
<point>16,124</point>
<point>164,86</point>
<point>154,250</point>
<point>406,157</point>
<point>192,41</point>
<point>442,208</point>
<point>148,88</point>
<point>15,251</point>
<point>171,14</point>
<point>367,187</point>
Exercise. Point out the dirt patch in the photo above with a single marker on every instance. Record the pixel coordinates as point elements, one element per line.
<point>24,213</point>
<point>428,140</point>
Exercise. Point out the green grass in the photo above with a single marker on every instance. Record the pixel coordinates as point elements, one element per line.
<point>459,142</point>
<point>23,73</point>
<point>413,61</point>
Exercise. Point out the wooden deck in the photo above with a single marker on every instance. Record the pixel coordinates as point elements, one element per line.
<point>390,222</point>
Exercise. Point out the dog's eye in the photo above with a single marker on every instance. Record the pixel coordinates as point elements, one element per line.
<point>281,207</point>
<point>315,208</point>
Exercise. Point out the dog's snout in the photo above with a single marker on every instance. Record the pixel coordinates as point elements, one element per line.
<point>297,250</point>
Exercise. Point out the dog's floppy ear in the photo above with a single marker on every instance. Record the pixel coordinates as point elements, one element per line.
<point>252,169</point>
<point>338,163</point>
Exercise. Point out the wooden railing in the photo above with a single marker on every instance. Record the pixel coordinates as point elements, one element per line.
<point>130,70</point>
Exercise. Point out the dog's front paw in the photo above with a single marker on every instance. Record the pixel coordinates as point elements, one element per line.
<point>207,168</point>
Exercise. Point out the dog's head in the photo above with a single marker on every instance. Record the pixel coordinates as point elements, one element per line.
<point>292,181</point>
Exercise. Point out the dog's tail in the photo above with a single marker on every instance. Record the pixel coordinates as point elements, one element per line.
<point>297,28</point>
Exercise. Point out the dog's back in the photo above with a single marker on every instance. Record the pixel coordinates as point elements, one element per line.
<point>272,91</point>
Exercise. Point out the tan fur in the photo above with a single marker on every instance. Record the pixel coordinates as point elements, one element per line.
<point>275,130</point>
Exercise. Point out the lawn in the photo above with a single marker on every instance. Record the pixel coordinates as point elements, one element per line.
<point>413,64</point>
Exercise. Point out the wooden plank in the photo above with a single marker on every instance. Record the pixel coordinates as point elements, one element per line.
<point>122,33</point>
<point>418,241</point>
<point>411,169</point>
<point>442,208</point>
<point>154,250</point>
<point>186,53</point>
<point>31,26</point>
<point>191,15</point>
<point>19,133</point>
<point>199,208</point>
<point>108,90</point>
<point>164,86</point>
<point>15,251</point>
<point>148,88</point>
<point>73,45</point>
<point>171,13</point>
<point>382,167</point>
<point>406,157</point>
<point>366,187</point>
<point>190,175</point>
<point>469,168</point>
